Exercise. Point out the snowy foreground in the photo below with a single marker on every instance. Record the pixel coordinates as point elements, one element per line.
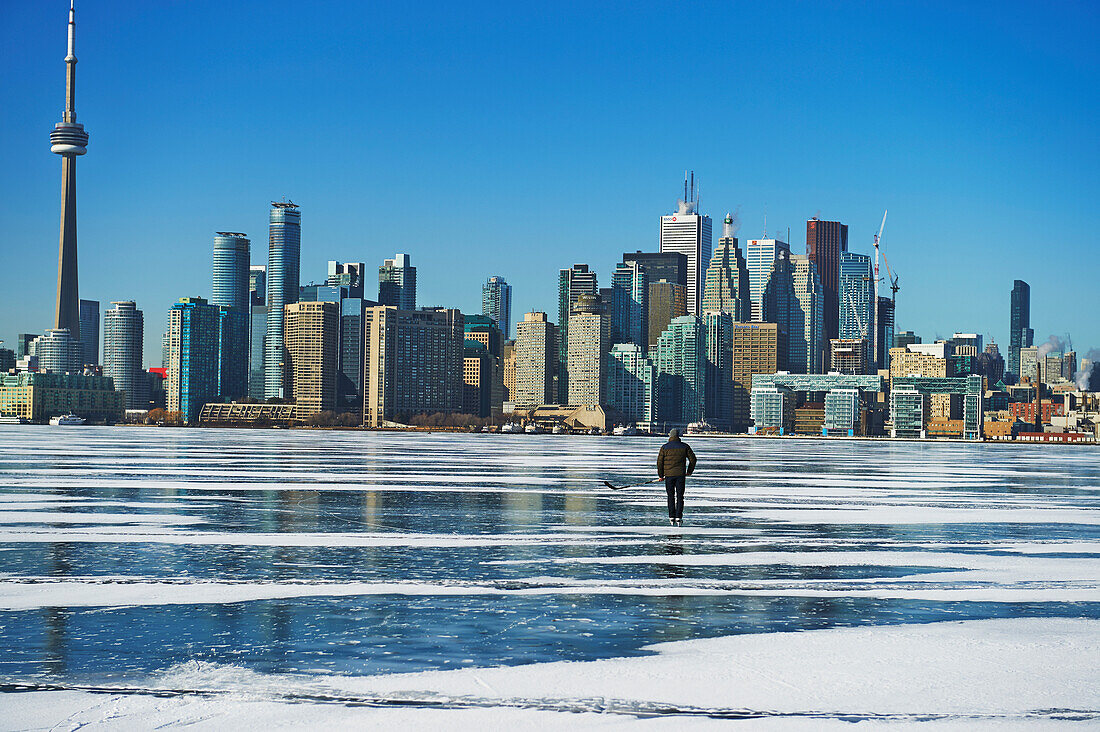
<point>263,579</point>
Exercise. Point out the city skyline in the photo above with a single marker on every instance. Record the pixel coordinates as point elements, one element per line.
<point>131,213</point>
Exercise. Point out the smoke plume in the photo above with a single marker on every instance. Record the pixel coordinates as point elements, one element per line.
<point>1054,343</point>
<point>1084,374</point>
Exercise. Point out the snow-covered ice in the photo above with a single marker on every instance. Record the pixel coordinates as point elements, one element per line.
<point>250,579</point>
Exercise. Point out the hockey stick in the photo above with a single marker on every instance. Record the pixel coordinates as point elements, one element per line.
<point>636,485</point>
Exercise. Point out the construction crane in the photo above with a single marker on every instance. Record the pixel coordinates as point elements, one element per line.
<point>874,306</point>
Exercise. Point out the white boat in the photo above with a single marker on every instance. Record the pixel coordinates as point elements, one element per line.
<point>700,428</point>
<point>625,430</point>
<point>11,419</point>
<point>66,420</point>
<point>558,430</point>
<point>532,429</point>
<point>511,429</point>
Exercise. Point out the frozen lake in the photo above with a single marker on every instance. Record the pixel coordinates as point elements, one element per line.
<point>229,559</point>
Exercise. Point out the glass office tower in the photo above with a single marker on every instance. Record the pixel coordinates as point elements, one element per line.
<point>283,269</point>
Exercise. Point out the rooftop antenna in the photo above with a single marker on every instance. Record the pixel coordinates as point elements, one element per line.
<point>693,185</point>
<point>685,186</point>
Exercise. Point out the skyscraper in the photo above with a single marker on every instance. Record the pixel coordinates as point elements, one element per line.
<point>884,321</point>
<point>257,329</point>
<point>825,240</point>
<point>257,284</point>
<point>726,283</point>
<point>284,253</point>
<point>689,232</point>
<point>757,349</point>
<point>68,140</point>
<point>681,371</point>
<point>123,344</point>
<point>761,256</point>
<point>397,283</point>
<point>1020,334</point>
<point>312,338</point>
<point>572,283</point>
<point>630,304</point>
<point>856,291</point>
<point>23,343</point>
<point>58,352</point>
<point>193,333</point>
<point>89,331</point>
<point>536,360</point>
<point>348,275</point>
<point>718,391</point>
<point>670,266</point>
<point>806,337</point>
<point>589,332</point>
<point>496,302</point>
<point>631,383</point>
<point>667,301</point>
<point>232,280</point>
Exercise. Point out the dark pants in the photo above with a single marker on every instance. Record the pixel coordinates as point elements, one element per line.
<point>674,487</point>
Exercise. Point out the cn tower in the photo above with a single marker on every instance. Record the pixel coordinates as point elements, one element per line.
<point>68,140</point>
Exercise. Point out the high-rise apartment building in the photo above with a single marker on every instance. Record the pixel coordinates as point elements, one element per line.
<point>667,301</point>
<point>761,256</point>
<point>58,352</point>
<point>572,283</point>
<point>484,330</point>
<point>397,283</point>
<point>312,336</point>
<point>884,321</point>
<point>536,359</point>
<point>631,383</point>
<point>194,327</point>
<point>757,349</point>
<point>284,256</point>
<point>89,331</point>
<point>856,290</point>
<point>1020,334</point>
<point>806,326</point>
<point>670,266</point>
<point>232,280</point>
<point>508,366</point>
<point>688,232</point>
<point>23,343</point>
<point>123,344</point>
<point>1029,358</point>
<point>496,302</point>
<point>589,332</point>
<point>849,355</point>
<point>347,275</point>
<point>257,340</point>
<point>257,284</point>
<point>630,304</point>
<point>825,241</point>
<point>412,362</point>
<point>726,282</point>
<point>477,379</point>
<point>718,390</point>
<point>681,372</point>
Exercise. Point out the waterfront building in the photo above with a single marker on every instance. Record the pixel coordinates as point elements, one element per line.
<point>348,276</point>
<point>884,321</point>
<point>718,382</point>
<point>496,302</point>
<point>670,266</point>
<point>397,283</point>
<point>825,242</point>
<point>39,396</point>
<point>908,413</point>
<point>412,362</point>
<point>667,301</point>
<point>757,349</point>
<point>257,284</point>
<point>772,410</point>
<point>842,412</point>
<point>349,371</point>
<point>312,336</point>
<point>1020,334</point>
<point>630,304</point>
<point>761,256</point>
<point>194,332</point>
<point>89,332</point>
<point>681,372</point>
<point>726,283</point>
<point>856,290</point>
<point>631,383</point>
<point>508,367</point>
<point>536,360</point>
<point>572,283</point>
<point>68,139</point>
<point>477,379</point>
<point>848,355</point>
<point>688,232</point>
<point>23,343</point>
<point>257,337</point>
<point>232,280</point>
<point>123,344</point>
<point>589,335</point>
<point>806,325</point>
<point>283,278</point>
<point>58,352</point>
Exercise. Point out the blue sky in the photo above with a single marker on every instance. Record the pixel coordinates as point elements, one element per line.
<point>511,139</point>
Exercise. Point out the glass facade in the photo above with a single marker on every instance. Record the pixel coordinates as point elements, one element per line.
<point>806,334</point>
<point>841,412</point>
<point>123,339</point>
<point>726,284</point>
<point>231,276</point>
<point>718,381</point>
<point>397,283</point>
<point>496,302</point>
<point>772,409</point>
<point>194,330</point>
<point>283,271</point>
<point>631,378</point>
<point>630,305</point>
<point>761,256</point>
<point>681,371</point>
<point>1020,334</point>
<point>857,293</point>
<point>257,332</point>
<point>89,331</point>
<point>58,352</point>
<point>572,283</point>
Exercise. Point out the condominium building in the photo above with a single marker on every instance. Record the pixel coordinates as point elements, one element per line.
<point>58,352</point>
<point>397,283</point>
<point>412,363</point>
<point>348,276</point>
<point>572,283</point>
<point>1020,334</point>
<point>756,349</point>
<point>257,284</point>
<point>284,255</point>
<point>772,409</point>
<point>718,384</point>
<point>806,334</point>
<point>194,327</point>
<point>909,411</point>
<point>123,344</point>
<point>856,290</point>
<point>726,283</point>
<point>312,339</point>
<point>508,366</point>
<point>630,304</point>
<point>848,355</point>
<point>761,256</point>
<point>681,371</point>
<point>89,332</point>
<point>631,383</point>
<point>667,301</point>
<point>689,233</point>
<point>39,396</point>
<point>589,335</point>
<point>477,379</point>
<point>536,359</point>
<point>496,302</point>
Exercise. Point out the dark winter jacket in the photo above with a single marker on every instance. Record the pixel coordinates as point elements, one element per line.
<point>675,458</point>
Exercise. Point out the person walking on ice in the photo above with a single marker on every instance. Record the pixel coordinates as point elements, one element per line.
<point>675,462</point>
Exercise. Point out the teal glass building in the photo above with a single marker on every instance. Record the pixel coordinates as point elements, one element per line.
<point>284,254</point>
